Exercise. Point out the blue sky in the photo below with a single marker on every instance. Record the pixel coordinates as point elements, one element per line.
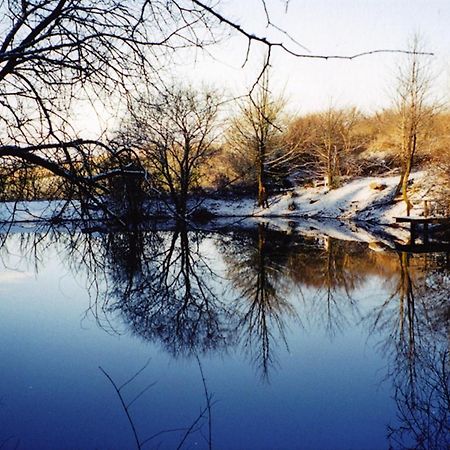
<point>330,27</point>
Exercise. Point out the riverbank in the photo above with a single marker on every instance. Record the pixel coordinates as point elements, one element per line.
<point>366,199</point>
<point>361,209</point>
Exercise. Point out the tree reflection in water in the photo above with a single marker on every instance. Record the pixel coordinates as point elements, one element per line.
<point>161,284</point>
<point>164,288</point>
<point>256,266</point>
<point>415,324</point>
<point>327,266</point>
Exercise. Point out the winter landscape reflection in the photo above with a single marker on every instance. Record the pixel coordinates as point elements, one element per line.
<point>239,338</point>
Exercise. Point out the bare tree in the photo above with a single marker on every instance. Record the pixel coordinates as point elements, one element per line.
<point>322,144</point>
<point>416,110</point>
<point>254,135</point>
<point>54,53</point>
<point>174,133</point>
<point>334,142</point>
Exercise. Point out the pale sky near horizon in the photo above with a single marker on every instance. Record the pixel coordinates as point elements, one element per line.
<point>327,27</point>
<point>343,27</point>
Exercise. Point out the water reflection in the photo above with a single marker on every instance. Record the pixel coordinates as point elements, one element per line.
<point>415,324</point>
<point>163,286</point>
<point>256,263</point>
<point>331,268</point>
<point>203,292</point>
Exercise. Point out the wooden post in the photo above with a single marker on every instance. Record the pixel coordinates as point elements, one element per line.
<point>425,233</point>
<point>413,233</point>
<point>426,210</point>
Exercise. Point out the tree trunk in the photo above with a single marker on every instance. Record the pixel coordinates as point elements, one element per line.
<point>262,188</point>
<point>405,188</point>
<point>407,172</point>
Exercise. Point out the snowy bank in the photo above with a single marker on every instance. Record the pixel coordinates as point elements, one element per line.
<point>362,199</point>
<point>359,210</point>
<point>34,211</point>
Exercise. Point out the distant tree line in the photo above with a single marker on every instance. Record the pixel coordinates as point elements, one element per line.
<point>174,140</point>
<point>177,143</point>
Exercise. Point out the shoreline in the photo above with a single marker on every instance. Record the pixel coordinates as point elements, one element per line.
<point>361,210</point>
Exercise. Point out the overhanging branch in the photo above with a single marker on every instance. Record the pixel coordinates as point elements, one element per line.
<point>264,40</point>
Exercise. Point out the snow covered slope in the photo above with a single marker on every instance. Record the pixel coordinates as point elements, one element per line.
<point>365,199</point>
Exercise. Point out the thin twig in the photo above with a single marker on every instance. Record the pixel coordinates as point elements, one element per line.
<point>141,393</point>
<point>208,403</point>
<point>159,433</point>
<point>124,406</point>
<point>135,375</point>
<point>270,44</point>
<point>191,428</point>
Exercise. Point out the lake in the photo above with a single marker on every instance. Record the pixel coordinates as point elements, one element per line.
<point>239,338</point>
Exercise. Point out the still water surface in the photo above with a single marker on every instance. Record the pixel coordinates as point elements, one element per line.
<point>298,342</point>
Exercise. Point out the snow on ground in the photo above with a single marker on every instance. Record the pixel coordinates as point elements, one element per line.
<point>241,207</point>
<point>343,213</point>
<point>358,210</point>
<point>35,210</point>
<point>362,199</point>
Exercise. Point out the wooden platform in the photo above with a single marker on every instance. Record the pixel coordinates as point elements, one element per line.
<point>415,232</point>
<point>423,220</point>
<point>430,247</point>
